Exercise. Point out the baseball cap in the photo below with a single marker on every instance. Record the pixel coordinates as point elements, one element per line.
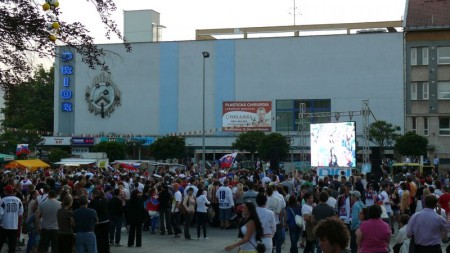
<point>356,194</point>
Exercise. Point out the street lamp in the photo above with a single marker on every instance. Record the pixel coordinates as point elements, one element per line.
<point>205,55</point>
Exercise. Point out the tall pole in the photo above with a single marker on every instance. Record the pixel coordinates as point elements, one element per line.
<point>205,55</point>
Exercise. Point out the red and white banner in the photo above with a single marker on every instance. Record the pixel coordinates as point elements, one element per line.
<point>227,160</point>
<point>243,116</point>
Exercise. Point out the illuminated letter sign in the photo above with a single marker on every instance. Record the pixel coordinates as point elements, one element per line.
<point>66,71</point>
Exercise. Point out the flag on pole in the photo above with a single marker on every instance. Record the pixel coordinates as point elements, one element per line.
<point>227,160</point>
<point>22,149</point>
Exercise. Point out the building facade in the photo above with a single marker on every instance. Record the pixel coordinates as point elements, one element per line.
<point>427,73</point>
<point>156,90</point>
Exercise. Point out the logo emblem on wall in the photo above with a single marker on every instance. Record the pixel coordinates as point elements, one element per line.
<point>103,96</point>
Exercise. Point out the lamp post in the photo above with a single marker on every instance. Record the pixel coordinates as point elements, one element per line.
<point>205,55</point>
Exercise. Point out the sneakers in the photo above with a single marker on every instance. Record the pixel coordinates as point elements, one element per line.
<point>111,243</point>
<point>206,238</point>
<point>119,245</point>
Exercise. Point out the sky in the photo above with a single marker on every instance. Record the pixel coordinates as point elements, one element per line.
<point>181,17</point>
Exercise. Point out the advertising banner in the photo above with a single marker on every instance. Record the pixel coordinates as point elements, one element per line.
<point>243,116</point>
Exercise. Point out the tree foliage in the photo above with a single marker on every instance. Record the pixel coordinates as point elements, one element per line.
<point>383,134</point>
<point>114,150</point>
<point>56,154</point>
<point>168,147</point>
<point>26,134</point>
<point>249,141</point>
<point>31,102</point>
<point>25,29</point>
<point>411,144</point>
<point>273,147</point>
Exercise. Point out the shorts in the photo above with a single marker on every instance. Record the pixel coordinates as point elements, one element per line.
<point>225,214</point>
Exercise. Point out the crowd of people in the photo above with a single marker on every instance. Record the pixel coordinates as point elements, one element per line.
<point>88,209</point>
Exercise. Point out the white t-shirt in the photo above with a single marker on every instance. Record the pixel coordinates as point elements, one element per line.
<point>385,198</point>
<point>201,203</point>
<point>307,209</point>
<point>176,198</point>
<point>10,209</point>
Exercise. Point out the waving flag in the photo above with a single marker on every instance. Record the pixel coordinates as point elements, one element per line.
<point>22,149</point>
<point>227,160</point>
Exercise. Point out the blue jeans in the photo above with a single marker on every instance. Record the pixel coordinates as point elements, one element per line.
<point>115,226</point>
<point>86,242</point>
<point>154,222</point>
<point>277,239</point>
<point>294,235</point>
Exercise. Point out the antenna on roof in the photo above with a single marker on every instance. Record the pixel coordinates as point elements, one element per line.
<point>294,11</point>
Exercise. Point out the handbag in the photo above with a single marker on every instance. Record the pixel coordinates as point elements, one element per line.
<point>298,219</point>
<point>260,247</point>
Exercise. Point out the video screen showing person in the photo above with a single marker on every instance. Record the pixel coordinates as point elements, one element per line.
<point>333,144</point>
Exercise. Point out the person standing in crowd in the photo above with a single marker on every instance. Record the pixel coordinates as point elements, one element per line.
<point>307,209</point>
<point>426,228</point>
<point>333,235</point>
<point>165,201</point>
<point>65,225</point>
<point>85,219</point>
<point>251,194</point>
<point>292,209</point>
<point>250,230</point>
<point>152,206</point>
<point>344,204</point>
<point>357,208</point>
<point>384,198</point>
<point>267,219</point>
<point>401,235</point>
<point>115,210</point>
<point>226,203</point>
<point>201,215</point>
<point>11,209</point>
<point>48,227</point>
<point>212,190</point>
<point>176,202</point>
<point>436,163</point>
<point>101,229</point>
<point>273,204</point>
<point>367,240</point>
<point>321,211</point>
<point>189,206</point>
<point>135,215</point>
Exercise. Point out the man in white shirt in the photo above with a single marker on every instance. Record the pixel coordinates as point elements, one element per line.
<point>384,197</point>
<point>226,203</point>
<point>175,211</point>
<point>275,204</point>
<point>192,184</point>
<point>267,218</point>
<point>11,209</point>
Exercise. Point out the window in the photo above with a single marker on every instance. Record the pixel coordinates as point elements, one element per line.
<point>443,55</point>
<point>413,91</point>
<point>414,125</point>
<point>443,90</point>
<point>425,126</point>
<point>413,56</point>
<point>424,55</point>
<point>425,88</point>
<point>288,118</point>
<point>444,126</point>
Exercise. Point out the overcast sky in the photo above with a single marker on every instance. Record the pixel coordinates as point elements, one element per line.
<point>182,17</point>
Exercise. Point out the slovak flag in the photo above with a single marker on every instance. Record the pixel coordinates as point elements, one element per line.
<point>227,160</point>
<point>22,149</point>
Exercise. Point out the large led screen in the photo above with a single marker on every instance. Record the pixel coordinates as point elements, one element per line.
<point>333,144</point>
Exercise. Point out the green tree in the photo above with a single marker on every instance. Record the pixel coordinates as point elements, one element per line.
<point>56,154</point>
<point>27,134</point>
<point>168,147</point>
<point>383,134</point>
<point>29,28</point>
<point>249,142</point>
<point>114,150</point>
<point>31,102</point>
<point>411,144</point>
<point>274,147</point>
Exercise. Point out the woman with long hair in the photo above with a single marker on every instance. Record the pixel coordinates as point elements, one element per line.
<point>250,230</point>
<point>292,209</point>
